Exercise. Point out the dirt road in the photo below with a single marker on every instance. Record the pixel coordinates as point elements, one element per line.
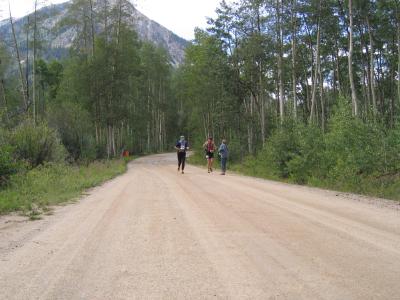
<point>156,234</point>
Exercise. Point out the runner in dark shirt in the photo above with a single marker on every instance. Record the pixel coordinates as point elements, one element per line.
<point>181,147</point>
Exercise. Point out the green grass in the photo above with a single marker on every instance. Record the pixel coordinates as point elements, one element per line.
<point>250,167</point>
<point>382,187</point>
<point>387,187</point>
<point>197,158</point>
<point>33,191</point>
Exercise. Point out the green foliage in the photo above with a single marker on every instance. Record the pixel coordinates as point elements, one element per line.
<point>8,165</point>
<point>50,76</point>
<point>75,129</point>
<point>197,158</point>
<point>281,148</point>
<point>52,184</point>
<point>308,160</point>
<point>4,59</point>
<point>204,88</point>
<point>353,148</point>
<point>293,152</point>
<point>117,99</point>
<point>254,166</point>
<point>236,149</point>
<point>351,156</point>
<point>36,144</point>
<point>391,154</point>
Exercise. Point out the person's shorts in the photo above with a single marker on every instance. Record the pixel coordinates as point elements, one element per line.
<point>209,155</point>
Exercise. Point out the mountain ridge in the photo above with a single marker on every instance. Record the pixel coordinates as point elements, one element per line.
<point>59,40</point>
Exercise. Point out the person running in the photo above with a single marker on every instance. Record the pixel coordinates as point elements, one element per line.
<point>181,147</point>
<point>209,148</point>
<point>223,152</point>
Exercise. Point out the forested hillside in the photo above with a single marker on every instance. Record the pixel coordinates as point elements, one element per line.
<point>306,91</point>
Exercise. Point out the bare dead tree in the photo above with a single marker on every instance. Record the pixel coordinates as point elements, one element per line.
<point>23,82</point>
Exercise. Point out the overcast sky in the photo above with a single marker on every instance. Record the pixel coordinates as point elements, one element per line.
<point>180,16</point>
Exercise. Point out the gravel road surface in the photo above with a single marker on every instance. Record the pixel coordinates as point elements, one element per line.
<point>154,233</point>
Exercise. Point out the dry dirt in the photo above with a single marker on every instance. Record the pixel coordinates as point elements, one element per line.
<point>153,233</point>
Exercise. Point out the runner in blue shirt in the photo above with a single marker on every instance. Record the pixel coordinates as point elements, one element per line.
<point>223,152</point>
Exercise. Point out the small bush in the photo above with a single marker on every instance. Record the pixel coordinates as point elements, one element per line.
<point>36,144</point>
<point>8,165</point>
<point>353,149</point>
<point>280,149</point>
<point>76,131</point>
<point>235,150</point>
<point>307,160</point>
<point>197,157</point>
<point>391,153</point>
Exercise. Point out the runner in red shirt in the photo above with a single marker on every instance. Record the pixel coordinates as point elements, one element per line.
<point>209,148</point>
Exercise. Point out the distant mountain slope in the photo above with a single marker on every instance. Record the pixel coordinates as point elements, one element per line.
<point>59,39</point>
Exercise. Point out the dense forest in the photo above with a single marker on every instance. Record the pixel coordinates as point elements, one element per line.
<point>304,90</point>
<point>262,63</point>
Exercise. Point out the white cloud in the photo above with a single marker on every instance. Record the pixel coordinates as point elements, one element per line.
<point>180,16</point>
<point>19,8</point>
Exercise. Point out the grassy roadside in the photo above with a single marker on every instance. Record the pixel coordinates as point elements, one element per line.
<point>387,187</point>
<point>33,191</point>
<point>196,158</point>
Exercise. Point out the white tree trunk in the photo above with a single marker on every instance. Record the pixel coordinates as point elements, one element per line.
<point>350,61</point>
<point>294,4</point>
<point>34,65</point>
<point>92,27</point>
<point>372,68</point>
<point>261,102</point>
<point>398,61</point>
<point>21,76</point>
<point>280,58</point>
<point>316,72</point>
